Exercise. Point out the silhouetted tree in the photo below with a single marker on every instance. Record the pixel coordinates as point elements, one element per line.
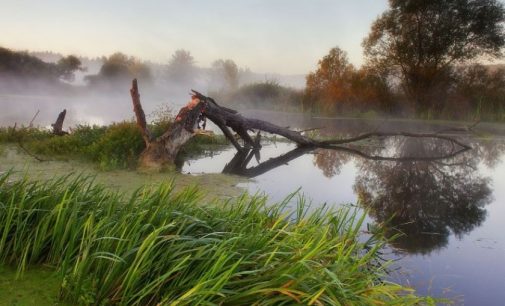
<point>228,71</point>
<point>67,66</point>
<point>422,39</point>
<point>121,68</point>
<point>181,68</point>
<point>479,90</point>
<point>266,95</point>
<point>24,65</point>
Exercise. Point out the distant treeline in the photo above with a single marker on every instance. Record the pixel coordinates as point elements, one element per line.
<point>118,68</point>
<point>25,66</point>
<point>422,59</point>
<point>473,91</point>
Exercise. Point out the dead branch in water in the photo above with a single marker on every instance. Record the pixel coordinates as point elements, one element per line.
<point>58,125</point>
<point>223,117</point>
<point>165,148</point>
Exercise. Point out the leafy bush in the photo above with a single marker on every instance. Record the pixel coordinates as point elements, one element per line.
<point>22,134</point>
<point>265,95</point>
<point>119,147</point>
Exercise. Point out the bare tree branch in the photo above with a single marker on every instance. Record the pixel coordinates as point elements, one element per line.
<point>139,113</point>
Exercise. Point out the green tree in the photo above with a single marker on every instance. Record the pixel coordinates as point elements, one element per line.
<point>67,66</point>
<point>423,39</point>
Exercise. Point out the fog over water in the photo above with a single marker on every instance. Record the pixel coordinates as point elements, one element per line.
<point>20,99</point>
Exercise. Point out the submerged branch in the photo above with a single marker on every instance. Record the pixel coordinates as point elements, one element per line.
<point>326,143</point>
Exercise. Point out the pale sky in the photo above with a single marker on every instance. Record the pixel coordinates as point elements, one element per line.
<point>282,36</point>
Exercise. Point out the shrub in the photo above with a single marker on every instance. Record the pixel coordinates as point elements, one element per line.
<point>119,147</point>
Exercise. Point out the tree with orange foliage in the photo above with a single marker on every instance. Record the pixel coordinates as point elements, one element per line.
<point>328,88</point>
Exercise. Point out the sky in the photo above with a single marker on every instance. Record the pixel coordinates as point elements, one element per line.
<point>267,36</point>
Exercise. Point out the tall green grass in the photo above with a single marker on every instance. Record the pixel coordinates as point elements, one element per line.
<point>158,247</point>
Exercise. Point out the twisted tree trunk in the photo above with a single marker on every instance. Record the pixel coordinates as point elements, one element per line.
<point>161,152</point>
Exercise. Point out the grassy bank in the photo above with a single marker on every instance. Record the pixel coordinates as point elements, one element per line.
<point>159,246</point>
<point>117,146</point>
<point>214,185</point>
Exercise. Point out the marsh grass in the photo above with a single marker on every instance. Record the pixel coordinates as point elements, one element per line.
<point>116,146</point>
<point>159,247</point>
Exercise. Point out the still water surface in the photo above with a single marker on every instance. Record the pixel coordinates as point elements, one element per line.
<point>451,211</point>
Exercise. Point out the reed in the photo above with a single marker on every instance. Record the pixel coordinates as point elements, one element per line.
<point>158,247</point>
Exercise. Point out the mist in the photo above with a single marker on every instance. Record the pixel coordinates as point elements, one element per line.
<point>93,97</point>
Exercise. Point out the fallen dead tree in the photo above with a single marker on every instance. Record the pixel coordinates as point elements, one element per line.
<point>161,151</point>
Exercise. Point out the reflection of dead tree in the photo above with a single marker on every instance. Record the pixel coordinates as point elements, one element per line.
<point>403,158</point>
<point>164,149</point>
<point>58,125</point>
<point>329,143</point>
<point>238,165</point>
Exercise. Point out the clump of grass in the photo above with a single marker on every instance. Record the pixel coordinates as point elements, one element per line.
<point>22,134</point>
<point>164,248</point>
<point>118,147</point>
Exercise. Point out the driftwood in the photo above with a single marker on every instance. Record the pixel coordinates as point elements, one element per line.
<point>163,150</point>
<point>58,125</point>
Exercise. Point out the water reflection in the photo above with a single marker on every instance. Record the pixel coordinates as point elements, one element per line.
<point>424,200</point>
<point>331,161</point>
<point>490,151</point>
<point>433,202</point>
<point>239,165</point>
